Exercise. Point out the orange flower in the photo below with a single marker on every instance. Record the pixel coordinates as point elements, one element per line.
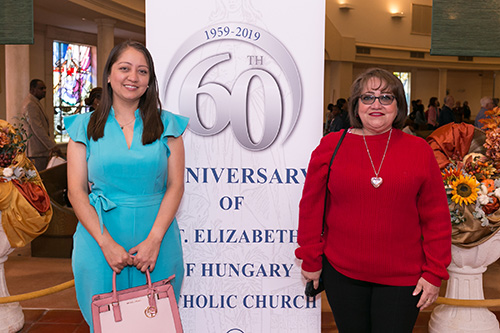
<point>490,185</point>
<point>450,174</point>
<point>491,207</point>
<point>4,139</point>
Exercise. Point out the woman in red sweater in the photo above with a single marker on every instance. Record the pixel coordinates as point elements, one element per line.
<point>387,237</point>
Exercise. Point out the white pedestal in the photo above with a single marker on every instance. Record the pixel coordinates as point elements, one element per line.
<point>466,282</point>
<point>11,314</point>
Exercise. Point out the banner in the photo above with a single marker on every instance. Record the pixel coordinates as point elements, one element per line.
<point>16,22</point>
<point>249,75</point>
<point>462,28</point>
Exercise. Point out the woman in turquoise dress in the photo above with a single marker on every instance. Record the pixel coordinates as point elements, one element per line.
<point>125,182</point>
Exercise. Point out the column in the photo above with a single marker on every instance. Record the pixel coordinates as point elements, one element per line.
<point>105,43</point>
<point>17,77</point>
<point>443,82</point>
<point>466,282</point>
<point>11,314</point>
<point>338,80</point>
<point>496,85</point>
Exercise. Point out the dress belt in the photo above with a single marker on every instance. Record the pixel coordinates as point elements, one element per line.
<point>103,204</point>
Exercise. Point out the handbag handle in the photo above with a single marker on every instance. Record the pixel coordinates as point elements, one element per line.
<point>150,311</point>
<point>327,179</point>
<point>115,295</point>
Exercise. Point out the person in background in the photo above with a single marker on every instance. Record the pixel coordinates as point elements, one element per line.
<point>337,123</point>
<point>40,146</point>
<point>458,112</point>
<point>377,271</point>
<point>486,105</point>
<point>329,118</point>
<point>419,123</point>
<point>342,105</point>
<point>446,115</point>
<point>409,127</point>
<point>466,109</point>
<point>92,102</point>
<point>127,222</point>
<point>432,113</point>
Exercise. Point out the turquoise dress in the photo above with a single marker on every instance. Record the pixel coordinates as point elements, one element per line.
<point>127,186</point>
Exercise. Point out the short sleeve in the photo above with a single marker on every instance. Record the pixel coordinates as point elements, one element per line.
<point>174,124</point>
<point>76,126</point>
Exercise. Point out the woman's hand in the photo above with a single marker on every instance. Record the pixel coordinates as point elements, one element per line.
<point>116,256</point>
<point>145,254</point>
<point>312,276</point>
<point>429,293</point>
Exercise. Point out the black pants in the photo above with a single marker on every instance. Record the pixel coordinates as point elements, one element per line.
<point>364,307</point>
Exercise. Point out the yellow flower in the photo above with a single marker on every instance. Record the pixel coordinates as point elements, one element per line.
<point>464,190</point>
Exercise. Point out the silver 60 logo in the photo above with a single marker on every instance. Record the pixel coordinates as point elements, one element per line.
<point>223,62</point>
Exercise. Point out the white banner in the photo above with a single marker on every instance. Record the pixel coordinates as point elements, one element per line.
<point>249,75</point>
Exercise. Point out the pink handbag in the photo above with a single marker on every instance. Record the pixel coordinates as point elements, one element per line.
<point>151,307</point>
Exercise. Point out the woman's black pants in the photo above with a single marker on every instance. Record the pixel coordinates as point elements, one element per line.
<point>365,307</point>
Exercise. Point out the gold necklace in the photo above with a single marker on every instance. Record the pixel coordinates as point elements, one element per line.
<point>130,122</point>
<point>376,181</point>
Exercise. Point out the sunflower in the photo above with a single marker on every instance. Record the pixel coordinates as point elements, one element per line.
<point>464,190</point>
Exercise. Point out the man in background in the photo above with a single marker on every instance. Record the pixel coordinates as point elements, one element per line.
<point>486,104</point>
<point>342,105</point>
<point>446,115</point>
<point>40,144</point>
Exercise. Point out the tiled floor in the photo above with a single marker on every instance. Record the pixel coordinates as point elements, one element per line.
<point>53,321</point>
<point>59,313</point>
<point>71,321</point>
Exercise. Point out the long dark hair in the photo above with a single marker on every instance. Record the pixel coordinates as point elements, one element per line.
<point>388,82</point>
<point>432,101</point>
<point>149,103</point>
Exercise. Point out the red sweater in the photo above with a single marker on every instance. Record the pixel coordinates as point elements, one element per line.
<point>391,235</point>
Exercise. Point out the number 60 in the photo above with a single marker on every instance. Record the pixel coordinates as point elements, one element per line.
<point>232,107</point>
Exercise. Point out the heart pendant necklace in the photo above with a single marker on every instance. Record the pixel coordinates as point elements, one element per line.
<point>377,181</point>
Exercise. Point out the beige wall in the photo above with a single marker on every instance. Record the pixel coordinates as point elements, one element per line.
<point>3,112</point>
<point>466,86</point>
<point>36,66</point>
<point>369,24</point>
<point>426,85</point>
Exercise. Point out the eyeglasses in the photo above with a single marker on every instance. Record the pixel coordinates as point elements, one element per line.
<point>383,99</point>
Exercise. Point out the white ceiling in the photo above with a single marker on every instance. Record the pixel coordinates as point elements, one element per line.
<point>70,15</point>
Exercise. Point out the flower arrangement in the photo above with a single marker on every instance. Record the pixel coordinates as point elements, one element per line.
<point>12,146</point>
<point>474,181</point>
<point>26,206</point>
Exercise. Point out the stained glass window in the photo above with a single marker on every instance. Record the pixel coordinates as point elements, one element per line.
<point>405,78</point>
<point>73,78</point>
